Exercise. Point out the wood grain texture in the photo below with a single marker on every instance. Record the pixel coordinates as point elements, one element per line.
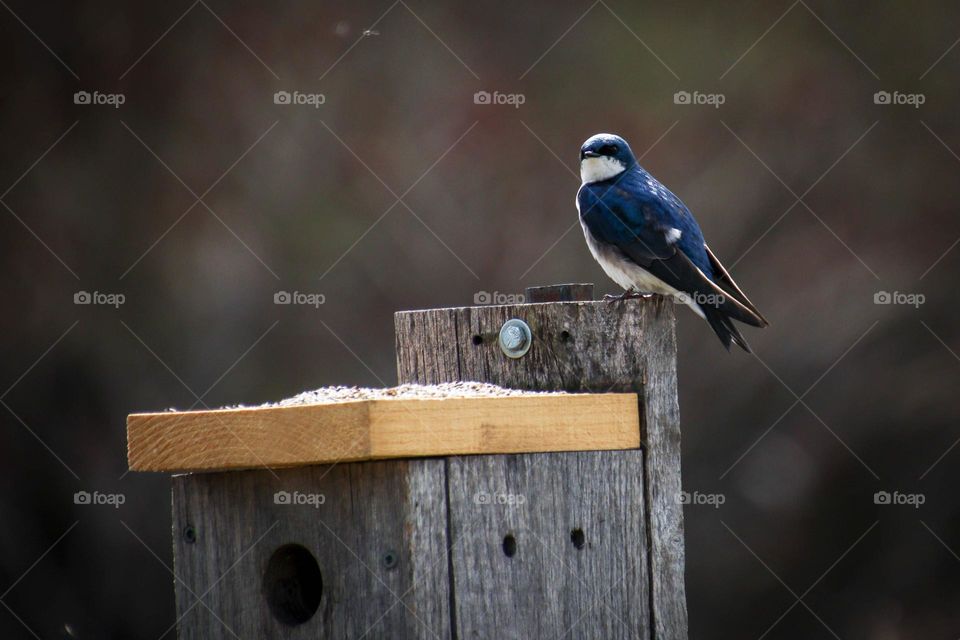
<point>556,585</point>
<point>369,510</point>
<point>246,438</point>
<point>599,347</point>
<point>375,429</point>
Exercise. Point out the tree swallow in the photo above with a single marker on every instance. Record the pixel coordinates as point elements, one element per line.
<point>647,240</point>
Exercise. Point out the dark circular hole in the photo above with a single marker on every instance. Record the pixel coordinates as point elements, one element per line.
<point>565,336</point>
<point>478,339</point>
<point>578,539</point>
<point>509,545</point>
<point>390,559</point>
<point>292,584</point>
<point>190,534</point>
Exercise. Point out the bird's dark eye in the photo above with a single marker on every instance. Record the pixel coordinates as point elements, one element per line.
<point>609,150</point>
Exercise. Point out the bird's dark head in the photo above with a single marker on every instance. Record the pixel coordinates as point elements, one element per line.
<point>604,156</point>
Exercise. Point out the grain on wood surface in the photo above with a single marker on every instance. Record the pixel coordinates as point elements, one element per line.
<point>245,438</point>
<point>504,425</point>
<point>378,537</point>
<point>299,434</point>
<point>627,346</point>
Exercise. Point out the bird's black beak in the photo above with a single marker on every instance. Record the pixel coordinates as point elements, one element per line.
<point>589,154</point>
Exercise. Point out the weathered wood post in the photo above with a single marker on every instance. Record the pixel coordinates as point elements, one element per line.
<point>579,543</point>
<point>626,572</point>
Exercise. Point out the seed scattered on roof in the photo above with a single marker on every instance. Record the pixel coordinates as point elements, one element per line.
<point>331,395</point>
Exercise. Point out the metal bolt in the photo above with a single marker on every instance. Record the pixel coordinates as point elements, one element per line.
<point>515,338</point>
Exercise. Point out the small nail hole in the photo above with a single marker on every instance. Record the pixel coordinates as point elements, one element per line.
<point>189,534</point>
<point>565,336</point>
<point>509,545</point>
<point>390,560</point>
<point>578,539</point>
<point>477,339</point>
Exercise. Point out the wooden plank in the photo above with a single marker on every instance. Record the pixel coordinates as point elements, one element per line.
<point>458,426</point>
<point>596,347</point>
<point>579,569</point>
<point>375,429</point>
<point>378,538</point>
<point>246,438</point>
<point>661,417</point>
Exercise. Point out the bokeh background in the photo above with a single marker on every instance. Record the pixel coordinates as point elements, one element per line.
<point>199,198</point>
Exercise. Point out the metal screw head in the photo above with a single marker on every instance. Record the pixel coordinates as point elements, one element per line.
<point>515,338</point>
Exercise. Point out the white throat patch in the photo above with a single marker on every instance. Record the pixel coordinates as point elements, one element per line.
<point>599,169</point>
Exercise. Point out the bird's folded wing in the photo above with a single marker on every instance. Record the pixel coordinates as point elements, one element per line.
<point>653,233</point>
<point>722,276</point>
<point>622,222</point>
<point>681,274</point>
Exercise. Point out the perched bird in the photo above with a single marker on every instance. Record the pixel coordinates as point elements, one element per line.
<point>647,240</point>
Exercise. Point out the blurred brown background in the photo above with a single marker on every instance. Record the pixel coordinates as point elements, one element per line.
<point>103,198</point>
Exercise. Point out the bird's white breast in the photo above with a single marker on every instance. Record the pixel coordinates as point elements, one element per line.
<point>599,169</point>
